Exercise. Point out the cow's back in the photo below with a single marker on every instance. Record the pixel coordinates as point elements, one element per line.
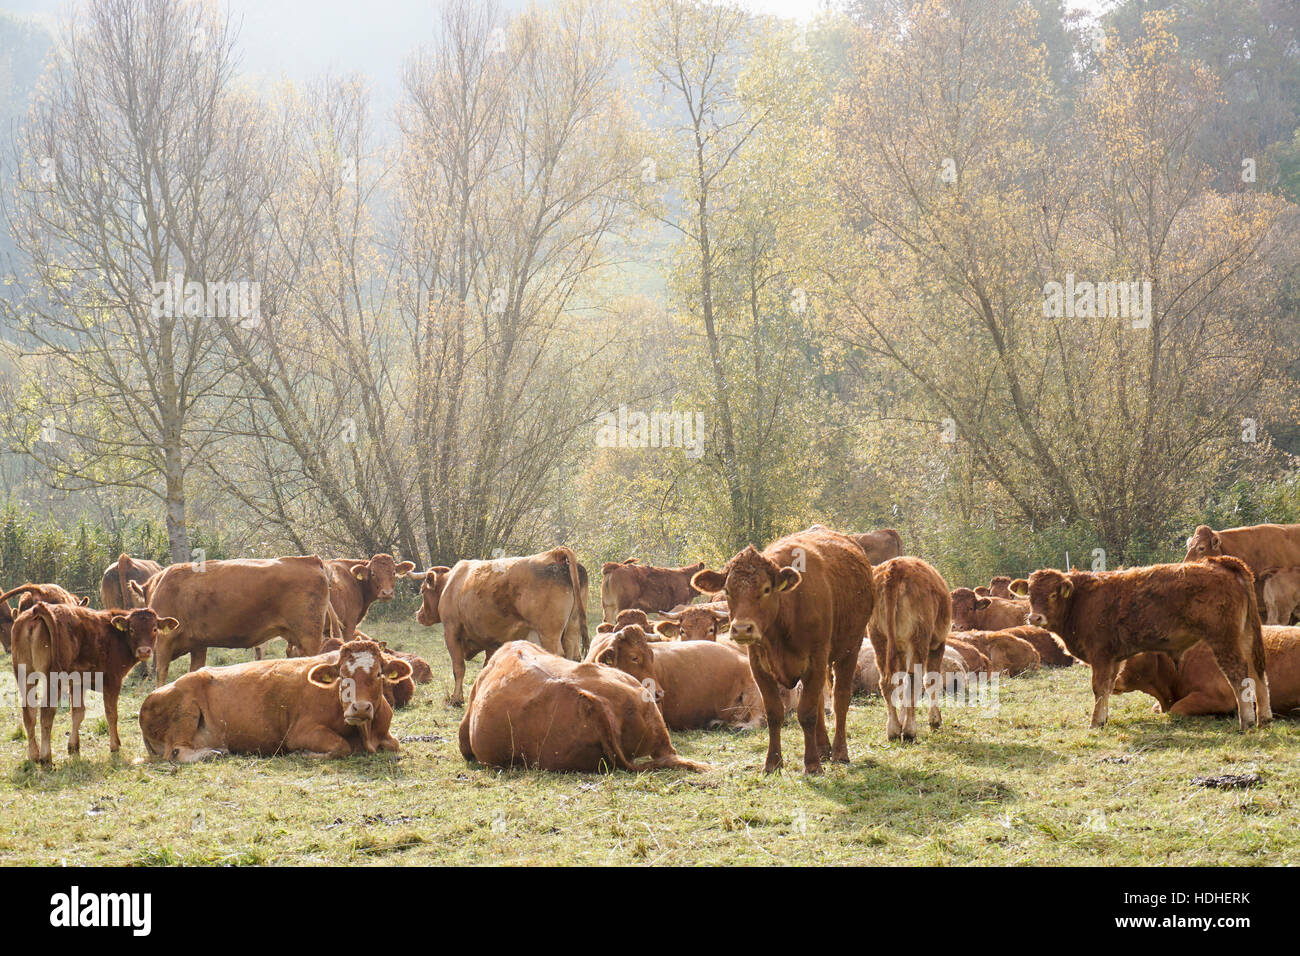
<point>1263,546</point>
<point>835,596</point>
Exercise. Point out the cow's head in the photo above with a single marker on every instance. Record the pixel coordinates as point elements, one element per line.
<point>965,603</point>
<point>1050,595</point>
<point>699,623</point>
<point>754,585</point>
<point>379,575</point>
<point>631,615</point>
<point>1152,673</point>
<point>1204,543</point>
<point>141,628</point>
<point>136,595</point>
<point>435,579</point>
<point>630,651</point>
<point>1000,586</point>
<point>359,675</point>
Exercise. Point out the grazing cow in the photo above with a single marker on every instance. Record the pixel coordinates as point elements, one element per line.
<point>1195,685</point>
<point>114,586</point>
<point>800,607</point>
<point>975,660</point>
<point>330,705</point>
<point>866,679</point>
<point>973,612</point>
<point>694,622</point>
<point>239,603</point>
<point>485,604</point>
<point>634,585</point>
<point>1105,618</point>
<point>1006,653</point>
<point>881,545</point>
<point>356,583</point>
<point>530,708</point>
<point>31,593</point>
<point>1281,589</point>
<point>1051,652</point>
<point>58,649</point>
<point>911,619</point>
<point>696,683</point>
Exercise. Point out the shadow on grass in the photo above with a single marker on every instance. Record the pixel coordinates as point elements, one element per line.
<point>878,791</point>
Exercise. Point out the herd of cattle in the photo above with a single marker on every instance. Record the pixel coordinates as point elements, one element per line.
<point>797,627</point>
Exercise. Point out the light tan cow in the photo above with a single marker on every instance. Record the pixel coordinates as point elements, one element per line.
<point>910,621</point>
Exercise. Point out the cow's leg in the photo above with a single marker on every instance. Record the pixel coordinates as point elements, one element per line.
<point>259,652</point>
<point>198,658</point>
<point>29,726</point>
<point>811,715</point>
<point>1201,703</point>
<point>1255,660</point>
<point>77,713</point>
<point>907,661</point>
<point>111,693</point>
<point>1234,668</point>
<point>317,741</point>
<point>844,669</point>
<point>608,609</point>
<point>451,636</point>
<point>888,686</point>
<point>775,713</point>
<point>47,730</point>
<point>934,684</point>
<point>1103,681</point>
<point>162,660</point>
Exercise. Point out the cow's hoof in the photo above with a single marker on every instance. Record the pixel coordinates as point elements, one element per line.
<point>772,766</point>
<point>812,769</point>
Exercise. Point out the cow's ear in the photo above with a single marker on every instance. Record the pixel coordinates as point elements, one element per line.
<point>323,675</point>
<point>121,622</point>
<point>608,656</point>
<point>406,567</point>
<point>669,629</point>
<point>1065,590</point>
<point>1019,587</point>
<point>604,627</point>
<point>981,603</point>
<point>360,570</point>
<point>137,593</point>
<point>167,624</point>
<point>787,579</point>
<point>82,602</point>
<point>396,670</point>
<point>706,581</point>
<point>1215,541</point>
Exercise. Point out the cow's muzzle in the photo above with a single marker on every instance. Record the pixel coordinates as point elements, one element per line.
<point>143,653</point>
<point>1038,620</point>
<point>745,632</point>
<point>359,713</point>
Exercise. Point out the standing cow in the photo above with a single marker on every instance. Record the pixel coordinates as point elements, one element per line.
<point>800,607</point>
<point>641,586</point>
<point>881,545</point>
<point>115,585</point>
<point>1259,546</point>
<point>357,583</point>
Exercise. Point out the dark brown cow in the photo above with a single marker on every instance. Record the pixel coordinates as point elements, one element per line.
<point>330,706</point>
<point>530,708</point>
<point>114,586</point>
<point>800,607</point>
<point>694,622</point>
<point>238,603</point>
<point>63,649</point>
<point>973,612</point>
<point>1105,618</point>
<point>633,585</point>
<point>356,583</point>
<point>31,593</point>
<point>485,604</point>
<point>880,545</point>
<point>911,619</point>
<point>1006,653</point>
<point>1195,685</point>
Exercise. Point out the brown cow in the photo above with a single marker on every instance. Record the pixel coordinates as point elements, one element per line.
<point>694,622</point>
<point>58,649</point>
<point>800,607</point>
<point>1105,618</point>
<point>530,708</point>
<point>1006,653</point>
<point>881,545</point>
<point>696,683</point>
<point>1195,685</point>
<point>1000,587</point>
<point>329,706</point>
<point>633,585</point>
<point>485,604</point>
<point>973,612</point>
<point>1259,546</point>
<point>114,586</point>
<point>399,693</point>
<point>975,660</point>
<point>1281,591</point>
<point>239,603</point>
<point>866,679</point>
<point>911,619</point>
<point>31,593</point>
<point>356,583</point>
<point>1051,652</point>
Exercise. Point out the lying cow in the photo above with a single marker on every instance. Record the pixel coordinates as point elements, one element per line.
<point>31,593</point>
<point>634,585</point>
<point>976,661</point>
<point>485,604</point>
<point>328,706</point>
<point>866,679</point>
<point>1006,652</point>
<point>58,647</point>
<point>114,586</point>
<point>974,612</point>
<point>1051,652</point>
<point>1281,592</point>
<point>399,693</point>
<point>530,708</point>
<point>696,683</point>
<point>694,622</point>
<point>1195,685</point>
<point>1105,618</point>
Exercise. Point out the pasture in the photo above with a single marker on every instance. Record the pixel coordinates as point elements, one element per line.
<point>1030,784</point>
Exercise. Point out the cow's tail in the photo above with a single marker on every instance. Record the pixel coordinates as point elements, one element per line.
<point>336,626</point>
<point>21,589</point>
<point>602,717</point>
<point>575,585</point>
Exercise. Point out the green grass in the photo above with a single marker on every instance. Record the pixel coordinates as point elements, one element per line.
<point>1031,785</point>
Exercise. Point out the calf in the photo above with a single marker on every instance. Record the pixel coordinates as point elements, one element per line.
<point>530,708</point>
<point>329,706</point>
<point>1006,653</point>
<point>800,607</point>
<point>633,585</point>
<point>60,646</point>
<point>31,593</point>
<point>974,612</point>
<point>1105,618</point>
<point>911,619</point>
<point>696,683</point>
<point>974,659</point>
<point>1281,591</point>
<point>694,622</point>
<point>1195,684</point>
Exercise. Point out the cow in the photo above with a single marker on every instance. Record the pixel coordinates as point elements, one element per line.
<point>238,603</point>
<point>1007,653</point>
<point>1259,546</point>
<point>114,586</point>
<point>1051,653</point>
<point>800,606</point>
<point>634,585</point>
<point>31,593</point>
<point>911,618</point>
<point>1281,592</point>
<point>696,683</point>
<point>694,622</point>
<point>866,679</point>
<point>1106,617</point>
<point>485,604</point>
<point>974,612</point>
<point>330,705</point>
<point>56,650</point>
<point>1000,587</point>
<point>357,583</point>
<point>399,693</point>
<point>975,660</point>
<point>531,708</point>
<point>880,546</point>
<point>1195,685</point>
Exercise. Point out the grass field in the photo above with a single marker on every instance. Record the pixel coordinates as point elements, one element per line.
<point>1031,785</point>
